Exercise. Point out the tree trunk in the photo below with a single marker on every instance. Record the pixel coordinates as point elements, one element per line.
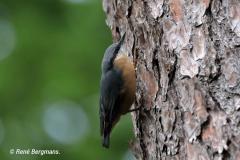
<point>187,59</point>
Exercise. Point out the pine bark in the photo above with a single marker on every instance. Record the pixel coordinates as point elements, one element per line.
<point>187,59</point>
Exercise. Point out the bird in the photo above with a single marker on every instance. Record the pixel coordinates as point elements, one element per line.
<point>117,88</point>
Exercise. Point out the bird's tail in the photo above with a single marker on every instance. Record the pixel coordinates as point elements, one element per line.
<point>106,140</point>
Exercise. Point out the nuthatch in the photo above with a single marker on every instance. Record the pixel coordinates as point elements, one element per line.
<point>118,85</point>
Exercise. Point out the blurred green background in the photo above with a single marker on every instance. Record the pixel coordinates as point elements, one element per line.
<point>50,57</point>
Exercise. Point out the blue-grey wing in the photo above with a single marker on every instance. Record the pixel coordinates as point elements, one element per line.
<point>111,84</point>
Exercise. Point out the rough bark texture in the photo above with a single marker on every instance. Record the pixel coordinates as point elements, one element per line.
<point>187,59</point>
